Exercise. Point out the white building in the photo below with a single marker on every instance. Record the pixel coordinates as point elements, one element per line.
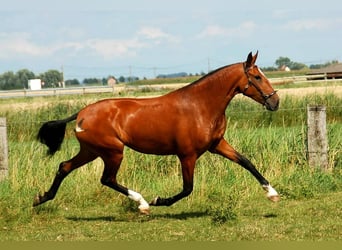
<point>35,84</point>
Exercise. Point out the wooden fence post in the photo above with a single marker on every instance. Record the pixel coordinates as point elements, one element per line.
<point>3,149</point>
<point>317,136</point>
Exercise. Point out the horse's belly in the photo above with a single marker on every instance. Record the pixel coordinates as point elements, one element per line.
<point>153,146</point>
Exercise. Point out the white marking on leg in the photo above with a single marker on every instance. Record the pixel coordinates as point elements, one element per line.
<point>272,194</point>
<point>143,205</point>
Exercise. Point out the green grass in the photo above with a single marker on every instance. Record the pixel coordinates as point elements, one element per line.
<point>256,220</point>
<point>227,203</point>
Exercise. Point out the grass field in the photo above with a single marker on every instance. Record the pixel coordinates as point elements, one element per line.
<point>227,203</point>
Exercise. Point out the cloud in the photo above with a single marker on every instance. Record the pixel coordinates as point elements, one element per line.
<point>152,33</point>
<point>17,45</point>
<point>157,35</point>
<point>213,30</point>
<point>243,30</point>
<point>313,24</point>
<point>109,48</point>
<point>281,13</point>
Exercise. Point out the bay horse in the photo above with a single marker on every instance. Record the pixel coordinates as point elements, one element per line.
<point>186,122</point>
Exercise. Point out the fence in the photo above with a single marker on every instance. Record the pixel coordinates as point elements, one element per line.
<point>302,79</point>
<point>121,88</point>
<point>317,136</point>
<point>3,149</point>
<point>83,90</point>
<point>59,91</point>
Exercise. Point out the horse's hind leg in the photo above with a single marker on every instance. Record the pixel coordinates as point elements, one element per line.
<point>112,165</point>
<point>65,168</point>
<point>188,166</point>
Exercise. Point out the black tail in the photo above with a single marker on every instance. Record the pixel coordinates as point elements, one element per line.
<point>52,133</point>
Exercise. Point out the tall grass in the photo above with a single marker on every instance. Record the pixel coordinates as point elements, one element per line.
<point>274,142</point>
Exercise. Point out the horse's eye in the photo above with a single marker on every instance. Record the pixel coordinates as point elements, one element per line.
<point>258,78</point>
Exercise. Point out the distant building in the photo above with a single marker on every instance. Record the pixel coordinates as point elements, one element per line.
<point>35,84</point>
<point>333,71</point>
<point>111,81</point>
<point>285,68</point>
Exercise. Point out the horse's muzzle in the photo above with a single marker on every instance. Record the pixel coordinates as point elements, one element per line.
<point>272,103</point>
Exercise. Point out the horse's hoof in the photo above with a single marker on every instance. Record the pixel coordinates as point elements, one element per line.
<point>272,194</point>
<point>144,210</point>
<point>274,198</point>
<point>36,200</point>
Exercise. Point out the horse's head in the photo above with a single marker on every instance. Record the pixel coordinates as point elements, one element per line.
<point>256,86</point>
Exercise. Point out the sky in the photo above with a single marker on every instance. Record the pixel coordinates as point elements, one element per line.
<point>145,38</point>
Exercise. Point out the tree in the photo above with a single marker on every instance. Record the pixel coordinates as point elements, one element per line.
<point>23,76</point>
<point>19,80</point>
<point>121,79</point>
<point>92,81</point>
<point>52,78</point>
<point>297,65</point>
<point>283,61</point>
<point>72,82</point>
<point>269,68</point>
<point>8,81</point>
<point>318,66</point>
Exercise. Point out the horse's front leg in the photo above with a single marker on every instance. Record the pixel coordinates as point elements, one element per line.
<point>188,166</point>
<point>224,149</point>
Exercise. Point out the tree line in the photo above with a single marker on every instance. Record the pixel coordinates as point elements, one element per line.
<point>50,79</point>
<point>283,61</point>
<point>53,78</point>
<point>19,80</point>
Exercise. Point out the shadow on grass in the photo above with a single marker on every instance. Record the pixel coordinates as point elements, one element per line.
<point>98,218</point>
<point>270,215</point>
<point>139,217</point>
<point>181,216</point>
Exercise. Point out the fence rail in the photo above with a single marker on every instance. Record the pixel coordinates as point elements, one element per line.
<point>120,88</point>
<point>83,90</point>
<point>58,91</point>
<point>303,79</point>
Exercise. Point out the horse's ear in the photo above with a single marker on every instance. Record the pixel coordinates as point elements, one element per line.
<point>251,59</point>
<point>255,57</point>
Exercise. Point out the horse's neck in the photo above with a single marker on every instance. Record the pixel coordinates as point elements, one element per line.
<point>216,90</point>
